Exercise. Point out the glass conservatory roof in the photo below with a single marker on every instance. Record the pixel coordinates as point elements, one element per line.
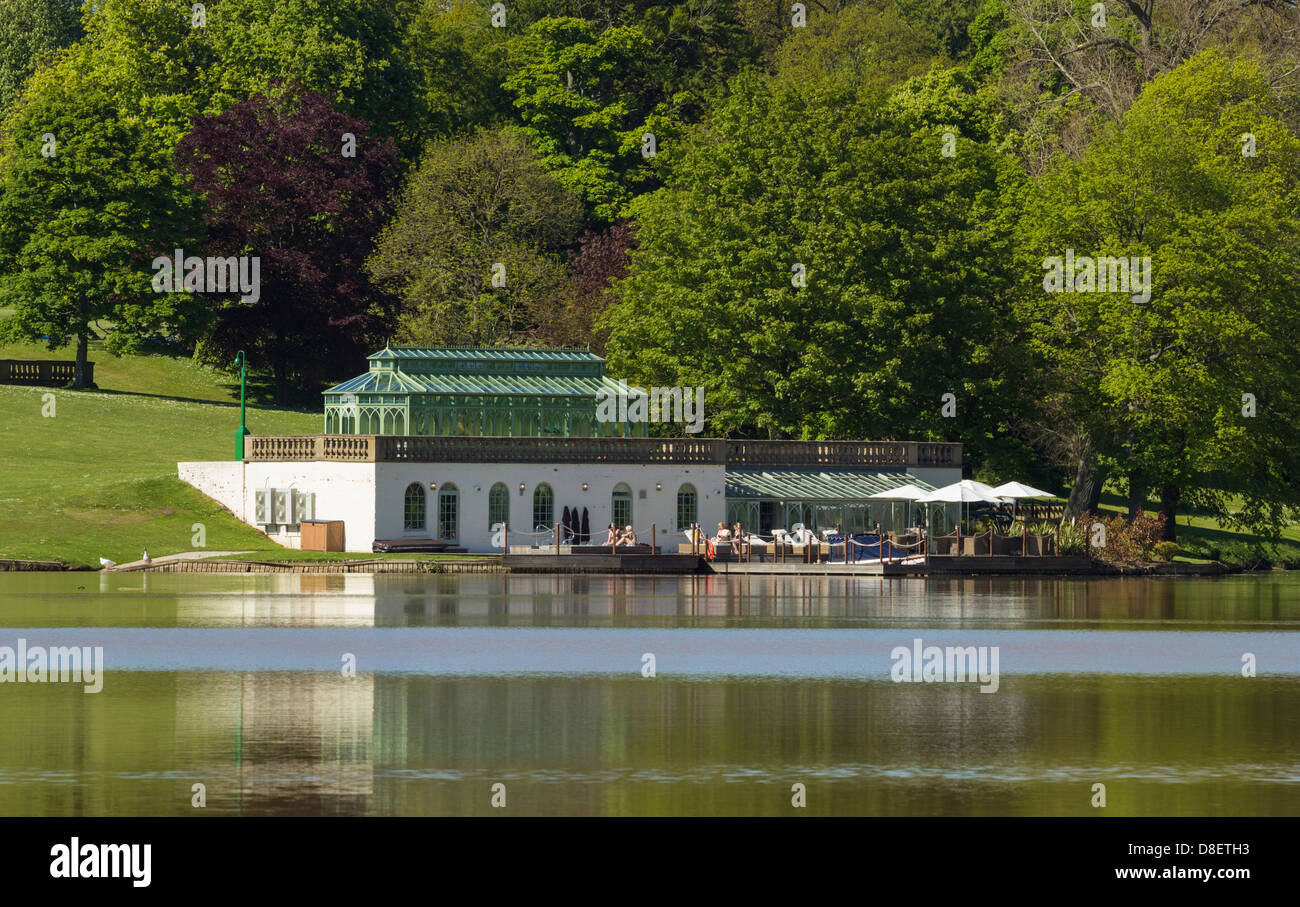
<point>483,371</point>
<point>487,385</point>
<point>814,485</point>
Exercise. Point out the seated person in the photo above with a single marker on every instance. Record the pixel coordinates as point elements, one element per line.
<point>613,535</point>
<point>724,534</point>
<point>628,537</point>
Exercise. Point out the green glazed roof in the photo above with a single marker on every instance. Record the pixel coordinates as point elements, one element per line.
<point>483,371</point>
<point>814,485</point>
<point>541,385</point>
<point>501,354</point>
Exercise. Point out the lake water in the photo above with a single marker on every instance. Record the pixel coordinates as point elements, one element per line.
<point>238,683</point>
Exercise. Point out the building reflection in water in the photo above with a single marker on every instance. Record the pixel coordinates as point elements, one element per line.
<point>321,743</point>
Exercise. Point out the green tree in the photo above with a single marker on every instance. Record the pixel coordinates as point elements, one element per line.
<point>903,252</point>
<point>462,63</point>
<point>30,32</point>
<point>587,98</point>
<point>87,199</point>
<point>870,43</point>
<point>1157,387</point>
<point>476,208</point>
<point>352,50</point>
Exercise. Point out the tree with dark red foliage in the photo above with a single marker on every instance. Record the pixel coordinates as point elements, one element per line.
<point>600,259</point>
<point>280,185</point>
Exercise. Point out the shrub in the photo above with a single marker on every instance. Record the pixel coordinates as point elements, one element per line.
<point>1074,539</point>
<point>1288,556</point>
<point>1126,542</point>
<point>1164,551</point>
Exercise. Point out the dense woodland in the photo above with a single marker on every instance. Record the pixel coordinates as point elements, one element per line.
<point>831,215</point>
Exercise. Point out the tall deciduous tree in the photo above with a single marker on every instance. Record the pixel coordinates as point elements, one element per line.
<point>353,51</point>
<point>588,97</point>
<point>302,186</point>
<point>824,271</point>
<point>88,197</point>
<point>30,32</point>
<point>1201,177</point>
<point>473,247</point>
<point>461,59</point>
<point>1108,52</point>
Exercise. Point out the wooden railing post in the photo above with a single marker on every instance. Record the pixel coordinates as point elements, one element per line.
<point>557,538</point>
<point>653,536</point>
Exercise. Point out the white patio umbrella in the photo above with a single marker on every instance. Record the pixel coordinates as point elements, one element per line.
<point>901,493</point>
<point>967,491</point>
<point>1017,490</point>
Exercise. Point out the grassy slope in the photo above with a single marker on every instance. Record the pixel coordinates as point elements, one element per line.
<point>99,478</point>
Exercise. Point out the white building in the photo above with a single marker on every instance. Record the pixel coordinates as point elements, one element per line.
<point>458,484</point>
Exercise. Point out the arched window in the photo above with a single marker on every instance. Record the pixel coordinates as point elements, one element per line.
<point>687,511</point>
<point>498,505</point>
<point>543,508</point>
<point>620,506</point>
<point>414,507</point>
<point>448,511</point>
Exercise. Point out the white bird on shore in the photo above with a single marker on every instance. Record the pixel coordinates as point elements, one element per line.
<point>105,562</point>
<point>147,559</point>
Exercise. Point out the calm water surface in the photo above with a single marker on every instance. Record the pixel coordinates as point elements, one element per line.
<point>761,682</point>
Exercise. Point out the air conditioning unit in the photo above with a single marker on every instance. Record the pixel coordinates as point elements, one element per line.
<point>304,506</point>
<point>280,501</point>
<point>282,506</point>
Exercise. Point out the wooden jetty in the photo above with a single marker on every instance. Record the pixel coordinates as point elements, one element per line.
<point>602,559</point>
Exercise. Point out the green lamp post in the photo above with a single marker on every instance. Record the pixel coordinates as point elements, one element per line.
<point>242,432</point>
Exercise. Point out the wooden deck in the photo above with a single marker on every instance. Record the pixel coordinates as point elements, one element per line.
<point>945,565</point>
<point>590,559</point>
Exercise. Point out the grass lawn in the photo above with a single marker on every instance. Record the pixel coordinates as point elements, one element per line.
<point>154,375</point>
<point>1194,528</point>
<point>98,479</point>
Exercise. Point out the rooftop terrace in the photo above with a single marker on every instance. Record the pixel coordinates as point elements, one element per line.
<point>718,451</point>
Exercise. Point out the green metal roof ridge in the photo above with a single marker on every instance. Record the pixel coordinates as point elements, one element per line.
<point>485,352</point>
<point>540,385</point>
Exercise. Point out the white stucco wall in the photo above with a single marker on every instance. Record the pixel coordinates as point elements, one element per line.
<point>343,491</point>
<point>658,506</point>
<point>222,481</point>
<point>369,497</point>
